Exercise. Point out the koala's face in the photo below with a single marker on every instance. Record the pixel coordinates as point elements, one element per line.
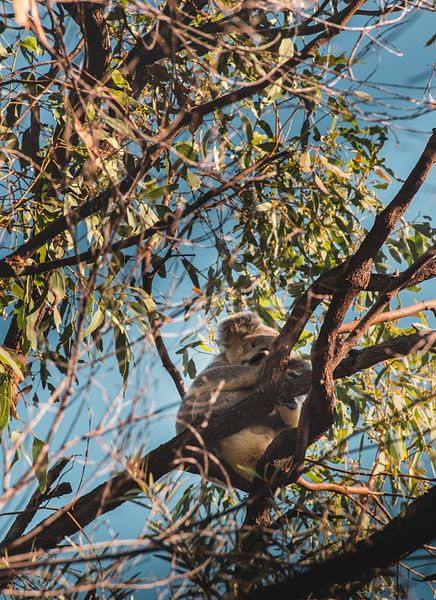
<point>252,349</point>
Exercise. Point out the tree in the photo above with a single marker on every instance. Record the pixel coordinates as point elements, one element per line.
<point>162,166</point>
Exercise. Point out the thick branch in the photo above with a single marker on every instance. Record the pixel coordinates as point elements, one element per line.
<point>92,21</point>
<point>160,461</point>
<point>376,309</point>
<point>317,412</point>
<point>378,283</point>
<point>350,570</point>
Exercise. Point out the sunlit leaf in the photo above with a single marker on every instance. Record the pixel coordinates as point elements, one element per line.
<point>40,462</point>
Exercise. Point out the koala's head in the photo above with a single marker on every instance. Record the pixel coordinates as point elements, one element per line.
<point>244,340</point>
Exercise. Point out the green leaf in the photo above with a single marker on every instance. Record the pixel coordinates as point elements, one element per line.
<point>121,127</point>
<point>57,285</point>
<point>258,138</point>
<point>31,44</point>
<point>157,193</point>
<point>96,321</point>
<point>57,319</point>
<point>40,463</point>
<point>119,80</point>
<point>122,353</point>
<point>146,299</point>
<point>395,254</point>
<point>40,301</point>
<point>431,41</point>
<point>193,180</point>
<point>192,272</point>
<point>186,150</point>
<point>9,360</point>
<point>266,127</point>
<point>191,369</point>
<point>5,399</point>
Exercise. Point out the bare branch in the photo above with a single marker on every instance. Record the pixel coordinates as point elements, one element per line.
<point>169,366</point>
<point>393,315</point>
<point>25,517</point>
<point>347,490</point>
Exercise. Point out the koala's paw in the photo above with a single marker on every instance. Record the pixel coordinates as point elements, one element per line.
<point>292,373</point>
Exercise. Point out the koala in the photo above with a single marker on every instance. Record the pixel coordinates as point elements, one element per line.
<point>244,344</point>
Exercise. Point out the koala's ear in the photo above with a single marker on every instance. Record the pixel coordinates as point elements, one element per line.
<point>238,325</point>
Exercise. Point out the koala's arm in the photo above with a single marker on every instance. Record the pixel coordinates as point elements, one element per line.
<point>289,407</point>
<point>298,366</point>
<point>231,382</point>
<point>227,377</point>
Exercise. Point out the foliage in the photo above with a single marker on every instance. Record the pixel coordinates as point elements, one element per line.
<point>161,166</point>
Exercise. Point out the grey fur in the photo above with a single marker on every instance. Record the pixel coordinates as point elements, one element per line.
<point>239,324</point>
<point>232,376</point>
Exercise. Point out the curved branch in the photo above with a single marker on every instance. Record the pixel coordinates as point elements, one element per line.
<point>317,412</point>
<point>354,276</point>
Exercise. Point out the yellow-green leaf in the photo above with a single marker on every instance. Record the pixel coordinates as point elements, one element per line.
<point>96,321</point>
<point>5,399</point>
<point>320,184</point>
<point>334,169</point>
<point>40,463</point>
<point>304,162</point>
<point>9,360</point>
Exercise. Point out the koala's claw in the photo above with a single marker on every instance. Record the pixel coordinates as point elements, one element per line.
<point>292,373</point>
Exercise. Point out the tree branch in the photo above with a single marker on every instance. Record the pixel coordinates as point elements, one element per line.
<point>15,261</point>
<point>377,308</point>
<point>348,571</point>
<point>25,517</point>
<point>318,409</point>
<point>317,413</point>
<point>393,315</point>
<point>347,490</point>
